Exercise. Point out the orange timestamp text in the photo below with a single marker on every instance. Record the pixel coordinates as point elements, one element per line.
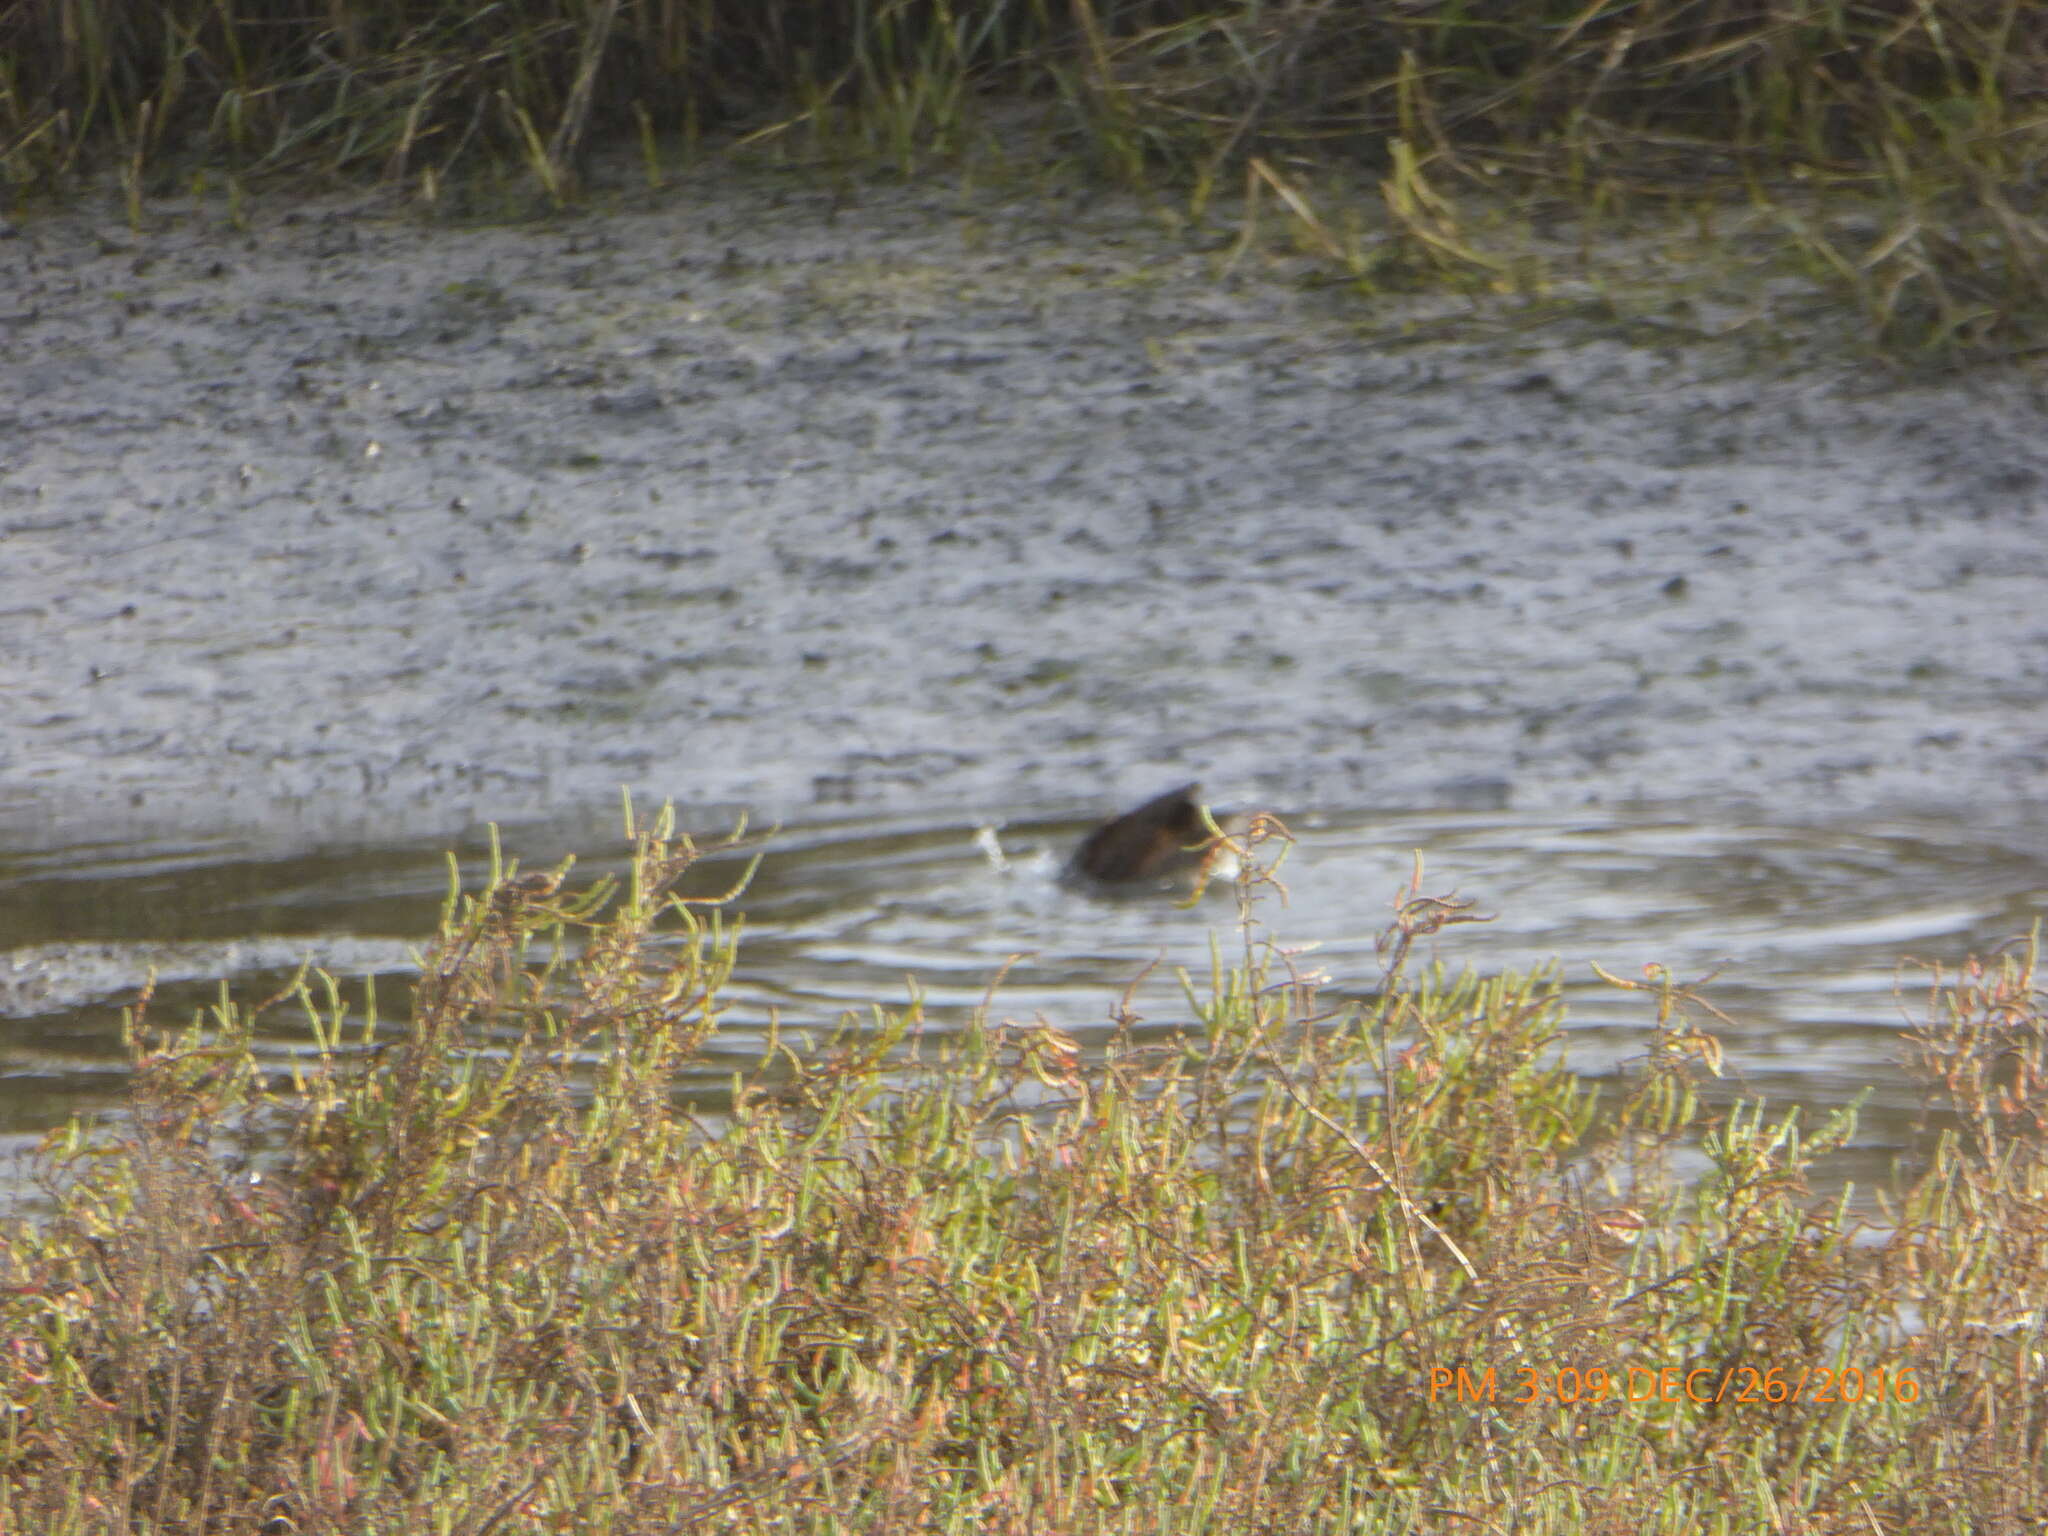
<point>1570,1386</point>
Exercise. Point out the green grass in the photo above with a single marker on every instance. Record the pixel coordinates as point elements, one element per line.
<point>1254,1273</point>
<point>1896,146</point>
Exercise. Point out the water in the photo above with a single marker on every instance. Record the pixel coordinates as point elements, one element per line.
<point>1808,926</point>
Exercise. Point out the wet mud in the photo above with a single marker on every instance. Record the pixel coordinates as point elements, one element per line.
<point>759,493</point>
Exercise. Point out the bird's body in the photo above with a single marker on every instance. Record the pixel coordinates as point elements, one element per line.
<point>1164,839</point>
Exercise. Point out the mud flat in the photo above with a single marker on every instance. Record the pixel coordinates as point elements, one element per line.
<point>751,491</point>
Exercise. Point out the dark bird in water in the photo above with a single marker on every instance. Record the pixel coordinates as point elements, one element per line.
<point>1165,838</point>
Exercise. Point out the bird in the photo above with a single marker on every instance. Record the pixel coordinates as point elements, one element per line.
<point>1164,839</point>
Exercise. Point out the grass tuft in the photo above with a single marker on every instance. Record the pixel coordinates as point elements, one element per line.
<point>1928,117</point>
<point>1276,1267</point>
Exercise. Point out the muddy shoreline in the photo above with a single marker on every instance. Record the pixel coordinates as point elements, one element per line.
<point>756,493</point>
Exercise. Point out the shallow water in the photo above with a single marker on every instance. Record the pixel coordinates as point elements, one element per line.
<point>1807,924</point>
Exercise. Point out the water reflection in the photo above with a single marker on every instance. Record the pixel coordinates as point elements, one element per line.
<point>1806,924</point>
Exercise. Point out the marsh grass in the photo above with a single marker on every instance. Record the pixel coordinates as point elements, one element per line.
<point>1896,145</point>
<point>1273,1268</point>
